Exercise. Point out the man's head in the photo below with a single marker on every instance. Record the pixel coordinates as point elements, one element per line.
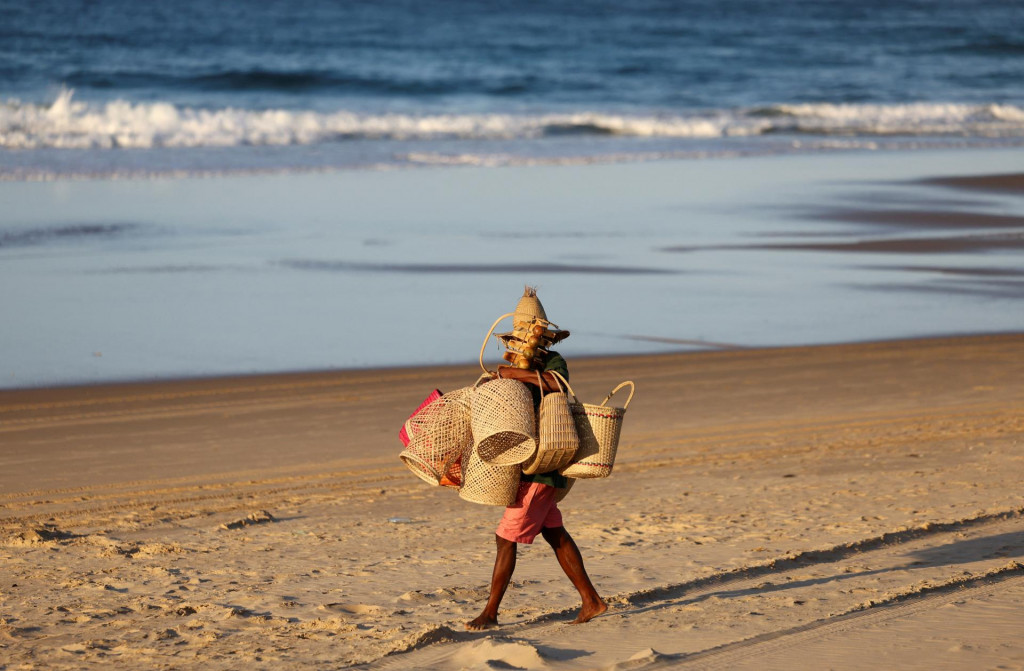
<point>532,333</point>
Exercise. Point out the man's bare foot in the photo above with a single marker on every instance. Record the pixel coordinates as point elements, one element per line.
<point>590,611</point>
<point>482,622</point>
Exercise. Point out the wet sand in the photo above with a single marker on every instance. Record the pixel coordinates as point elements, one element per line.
<point>1013,182</point>
<point>149,279</point>
<point>962,227</point>
<point>917,245</point>
<point>768,507</point>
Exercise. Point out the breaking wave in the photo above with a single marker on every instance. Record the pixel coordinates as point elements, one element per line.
<point>71,124</point>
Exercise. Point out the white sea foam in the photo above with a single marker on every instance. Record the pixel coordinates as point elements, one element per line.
<point>71,124</point>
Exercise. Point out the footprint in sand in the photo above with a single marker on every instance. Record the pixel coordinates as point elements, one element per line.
<point>359,609</point>
<point>456,594</point>
<point>461,593</point>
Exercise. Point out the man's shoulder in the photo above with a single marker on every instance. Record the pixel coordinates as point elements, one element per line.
<point>557,362</point>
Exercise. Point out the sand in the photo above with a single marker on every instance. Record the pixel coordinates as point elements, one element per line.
<point>848,506</point>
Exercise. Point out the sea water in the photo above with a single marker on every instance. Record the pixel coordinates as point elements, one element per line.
<point>198,188</point>
<point>114,87</point>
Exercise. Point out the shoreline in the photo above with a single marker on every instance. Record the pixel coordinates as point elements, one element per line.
<point>981,183</point>
<point>269,377</point>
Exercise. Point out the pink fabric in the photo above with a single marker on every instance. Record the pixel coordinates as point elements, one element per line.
<point>534,509</point>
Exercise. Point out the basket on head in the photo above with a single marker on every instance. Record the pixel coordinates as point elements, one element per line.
<point>598,427</point>
<point>486,483</point>
<point>440,433</point>
<point>503,424</point>
<point>529,307</point>
<point>531,337</point>
<point>557,440</point>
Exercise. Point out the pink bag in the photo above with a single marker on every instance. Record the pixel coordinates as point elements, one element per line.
<point>403,434</point>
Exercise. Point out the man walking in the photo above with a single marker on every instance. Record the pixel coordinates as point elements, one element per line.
<point>535,510</point>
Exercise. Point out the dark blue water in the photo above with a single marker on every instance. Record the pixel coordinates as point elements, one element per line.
<point>384,82</point>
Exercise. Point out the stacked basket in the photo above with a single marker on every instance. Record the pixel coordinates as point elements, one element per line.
<point>482,438</point>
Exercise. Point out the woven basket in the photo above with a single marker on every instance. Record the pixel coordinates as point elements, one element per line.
<point>503,424</point>
<point>440,434</point>
<point>529,307</point>
<point>557,440</point>
<point>598,427</point>
<point>486,483</point>
<point>453,476</point>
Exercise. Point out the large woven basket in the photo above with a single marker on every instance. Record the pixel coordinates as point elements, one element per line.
<point>557,439</point>
<point>504,428</point>
<point>598,427</point>
<point>486,483</point>
<point>440,433</point>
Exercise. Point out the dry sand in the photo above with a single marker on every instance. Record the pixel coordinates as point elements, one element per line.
<point>849,507</point>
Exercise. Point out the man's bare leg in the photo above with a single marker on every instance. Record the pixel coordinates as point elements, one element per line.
<point>571,561</point>
<point>504,565</point>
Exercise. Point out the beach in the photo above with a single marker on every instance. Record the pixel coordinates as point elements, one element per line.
<point>778,507</point>
<point>241,242</point>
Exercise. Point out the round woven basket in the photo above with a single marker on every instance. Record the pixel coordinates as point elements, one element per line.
<point>440,433</point>
<point>503,422</point>
<point>486,483</point>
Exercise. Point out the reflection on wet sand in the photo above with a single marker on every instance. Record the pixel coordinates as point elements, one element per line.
<point>971,234</point>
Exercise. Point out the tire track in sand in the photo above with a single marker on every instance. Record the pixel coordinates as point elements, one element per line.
<point>901,605</point>
<point>437,645</point>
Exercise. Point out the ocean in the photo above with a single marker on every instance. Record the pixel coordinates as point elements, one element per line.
<point>208,188</point>
<point>120,88</point>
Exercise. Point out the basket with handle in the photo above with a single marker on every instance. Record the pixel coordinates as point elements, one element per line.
<point>439,434</point>
<point>557,439</point>
<point>598,427</point>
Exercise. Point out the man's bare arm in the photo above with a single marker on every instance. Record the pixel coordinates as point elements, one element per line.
<point>529,377</point>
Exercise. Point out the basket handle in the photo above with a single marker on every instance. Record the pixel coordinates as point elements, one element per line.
<point>558,378</point>
<point>488,337</point>
<point>632,390</point>
<point>540,382</point>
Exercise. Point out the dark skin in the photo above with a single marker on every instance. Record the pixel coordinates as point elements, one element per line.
<point>569,558</point>
<point>529,377</point>
<point>566,550</point>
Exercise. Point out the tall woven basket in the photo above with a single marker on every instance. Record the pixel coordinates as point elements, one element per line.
<point>598,427</point>
<point>557,439</point>
<point>503,423</point>
<point>440,433</point>
<point>486,483</point>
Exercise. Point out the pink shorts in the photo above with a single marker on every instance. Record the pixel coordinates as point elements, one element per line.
<point>534,509</point>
